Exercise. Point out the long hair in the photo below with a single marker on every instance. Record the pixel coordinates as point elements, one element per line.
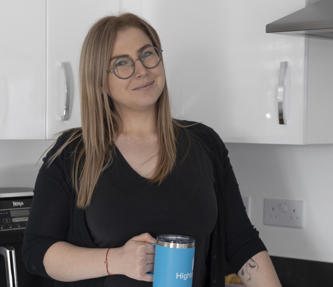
<point>100,120</point>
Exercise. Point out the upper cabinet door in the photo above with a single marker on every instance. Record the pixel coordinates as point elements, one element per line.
<point>68,23</point>
<point>22,69</point>
<point>224,70</point>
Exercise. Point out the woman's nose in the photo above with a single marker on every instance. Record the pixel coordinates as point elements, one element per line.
<point>140,69</point>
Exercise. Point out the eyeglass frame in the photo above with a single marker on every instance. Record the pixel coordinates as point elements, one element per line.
<point>134,61</point>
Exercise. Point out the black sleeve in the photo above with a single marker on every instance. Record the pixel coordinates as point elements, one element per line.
<point>50,213</point>
<point>242,240</point>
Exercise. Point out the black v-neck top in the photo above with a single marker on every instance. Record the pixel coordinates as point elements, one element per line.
<point>200,197</point>
<point>125,204</point>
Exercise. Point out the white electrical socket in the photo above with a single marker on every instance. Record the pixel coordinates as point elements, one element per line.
<point>246,201</point>
<point>283,212</point>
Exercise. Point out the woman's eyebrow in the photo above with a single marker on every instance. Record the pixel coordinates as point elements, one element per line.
<point>138,52</point>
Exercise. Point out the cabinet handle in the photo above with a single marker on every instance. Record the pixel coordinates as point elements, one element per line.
<point>69,78</point>
<point>10,265</point>
<point>281,90</point>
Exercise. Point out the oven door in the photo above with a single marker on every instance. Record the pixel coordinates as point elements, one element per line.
<point>12,270</point>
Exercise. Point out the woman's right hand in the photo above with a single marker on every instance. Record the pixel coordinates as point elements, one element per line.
<point>136,257</point>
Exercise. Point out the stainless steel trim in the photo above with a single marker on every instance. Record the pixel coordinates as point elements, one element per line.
<point>16,194</point>
<point>14,270</point>
<point>69,90</point>
<point>175,245</point>
<point>170,240</point>
<point>280,93</point>
<point>7,192</point>
<point>10,265</point>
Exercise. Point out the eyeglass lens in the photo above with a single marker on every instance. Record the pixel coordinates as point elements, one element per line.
<point>124,66</point>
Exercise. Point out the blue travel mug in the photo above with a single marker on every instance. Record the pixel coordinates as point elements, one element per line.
<point>174,261</point>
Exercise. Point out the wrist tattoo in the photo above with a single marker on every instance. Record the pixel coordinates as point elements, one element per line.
<point>248,268</point>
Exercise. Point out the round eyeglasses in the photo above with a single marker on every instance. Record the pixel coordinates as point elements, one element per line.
<point>124,66</point>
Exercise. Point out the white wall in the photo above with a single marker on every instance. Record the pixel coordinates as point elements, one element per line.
<point>263,171</point>
<point>20,161</point>
<point>290,172</point>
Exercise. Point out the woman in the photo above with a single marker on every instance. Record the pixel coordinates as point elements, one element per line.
<point>106,190</point>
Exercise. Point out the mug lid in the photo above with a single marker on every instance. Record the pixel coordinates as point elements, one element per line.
<point>175,241</point>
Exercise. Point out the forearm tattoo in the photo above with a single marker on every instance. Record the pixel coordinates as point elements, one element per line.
<point>248,268</point>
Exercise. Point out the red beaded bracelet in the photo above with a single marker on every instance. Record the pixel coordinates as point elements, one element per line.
<point>106,262</point>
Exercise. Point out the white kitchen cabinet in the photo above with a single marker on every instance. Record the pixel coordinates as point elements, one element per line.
<point>223,69</point>
<point>40,48</point>
<point>68,23</point>
<point>22,69</point>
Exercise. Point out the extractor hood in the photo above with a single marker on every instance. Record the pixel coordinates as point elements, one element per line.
<point>315,19</point>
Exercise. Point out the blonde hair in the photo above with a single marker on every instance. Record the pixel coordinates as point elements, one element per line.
<point>100,121</point>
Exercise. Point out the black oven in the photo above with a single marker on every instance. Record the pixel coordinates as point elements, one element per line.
<point>15,204</point>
